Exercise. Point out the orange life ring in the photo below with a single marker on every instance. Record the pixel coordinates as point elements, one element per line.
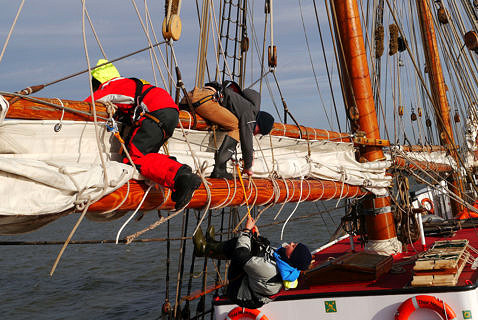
<point>427,302</point>
<point>468,214</point>
<point>244,313</point>
<point>426,200</point>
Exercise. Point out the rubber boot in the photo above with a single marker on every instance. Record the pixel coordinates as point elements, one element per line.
<point>215,250</point>
<point>185,183</point>
<point>223,154</point>
<point>199,243</point>
<point>212,249</point>
<point>210,234</point>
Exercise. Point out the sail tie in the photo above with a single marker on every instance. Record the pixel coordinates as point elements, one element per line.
<point>293,211</point>
<point>286,197</point>
<point>343,177</point>
<point>201,173</point>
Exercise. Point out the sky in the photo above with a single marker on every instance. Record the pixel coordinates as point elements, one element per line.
<point>47,44</point>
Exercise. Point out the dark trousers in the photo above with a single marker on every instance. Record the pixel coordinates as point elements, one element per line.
<point>145,141</point>
<point>235,272</point>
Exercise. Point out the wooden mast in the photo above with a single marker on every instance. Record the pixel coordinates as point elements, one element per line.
<point>359,98</point>
<point>438,92</point>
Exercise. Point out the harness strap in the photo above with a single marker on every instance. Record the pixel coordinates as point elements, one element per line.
<point>199,102</point>
<point>158,122</point>
<point>141,97</point>
<point>138,98</point>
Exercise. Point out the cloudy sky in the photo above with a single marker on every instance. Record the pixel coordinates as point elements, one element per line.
<point>47,44</point>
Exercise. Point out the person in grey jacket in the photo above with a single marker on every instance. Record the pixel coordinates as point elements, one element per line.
<point>257,270</point>
<point>237,111</point>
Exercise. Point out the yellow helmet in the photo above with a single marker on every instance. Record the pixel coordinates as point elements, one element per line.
<point>106,72</point>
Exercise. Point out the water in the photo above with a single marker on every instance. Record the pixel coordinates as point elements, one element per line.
<point>108,281</point>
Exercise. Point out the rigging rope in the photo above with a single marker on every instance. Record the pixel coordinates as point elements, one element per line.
<point>313,71</point>
<point>134,213</point>
<point>11,30</point>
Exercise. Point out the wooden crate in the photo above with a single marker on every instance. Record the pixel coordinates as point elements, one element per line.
<point>352,266</point>
<point>442,264</point>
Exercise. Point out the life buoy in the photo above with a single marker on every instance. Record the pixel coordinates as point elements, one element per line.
<point>468,214</point>
<point>426,200</point>
<point>427,302</point>
<point>244,313</point>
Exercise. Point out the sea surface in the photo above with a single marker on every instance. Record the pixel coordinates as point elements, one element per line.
<point>109,281</point>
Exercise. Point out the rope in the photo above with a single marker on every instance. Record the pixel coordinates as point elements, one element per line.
<point>221,49</point>
<point>133,214</point>
<point>121,203</point>
<point>450,193</point>
<point>293,211</point>
<point>437,113</point>
<point>201,174</point>
<point>343,177</point>
<point>95,35</point>
<point>220,206</point>
<point>58,126</point>
<point>72,232</point>
<point>245,198</point>
<point>286,198</point>
<point>98,143</point>
<point>150,44</point>
<point>313,68</point>
<point>11,30</point>
<point>154,225</point>
<point>181,261</point>
<point>253,185</point>
<point>243,189</point>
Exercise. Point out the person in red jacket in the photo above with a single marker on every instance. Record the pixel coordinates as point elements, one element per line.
<point>153,116</point>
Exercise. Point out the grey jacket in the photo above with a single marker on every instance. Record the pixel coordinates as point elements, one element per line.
<point>245,107</point>
<point>262,276</point>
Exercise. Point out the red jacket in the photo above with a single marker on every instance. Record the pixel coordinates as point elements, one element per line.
<point>121,92</point>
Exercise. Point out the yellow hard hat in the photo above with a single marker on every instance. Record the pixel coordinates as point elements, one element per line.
<point>106,72</point>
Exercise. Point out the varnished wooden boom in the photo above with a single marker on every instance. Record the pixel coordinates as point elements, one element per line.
<point>32,110</point>
<point>224,193</point>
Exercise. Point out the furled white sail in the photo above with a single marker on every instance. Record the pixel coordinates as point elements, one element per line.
<point>44,171</point>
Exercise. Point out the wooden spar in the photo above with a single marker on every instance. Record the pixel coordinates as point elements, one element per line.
<point>358,87</point>
<point>402,163</point>
<point>419,148</point>
<point>31,110</point>
<point>438,88</point>
<point>227,193</point>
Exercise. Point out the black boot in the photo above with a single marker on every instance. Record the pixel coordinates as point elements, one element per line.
<point>223,154</point>
<point>185,183</point>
